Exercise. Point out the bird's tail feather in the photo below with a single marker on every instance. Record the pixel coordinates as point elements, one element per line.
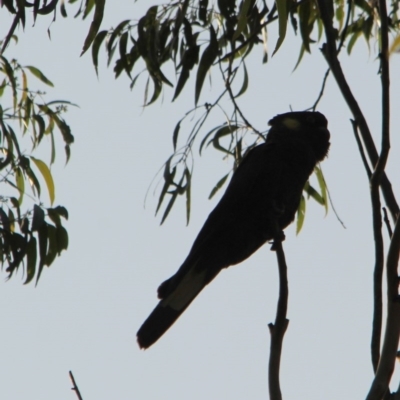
<point>171,307</point>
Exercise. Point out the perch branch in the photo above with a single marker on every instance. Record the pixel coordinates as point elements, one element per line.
<point>278,329</point>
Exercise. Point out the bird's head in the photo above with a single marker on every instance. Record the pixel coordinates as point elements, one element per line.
<point>304,125</point>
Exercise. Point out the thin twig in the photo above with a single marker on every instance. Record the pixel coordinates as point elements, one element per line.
<point>9,34</point>
<point>321,92</point>
<point>75,386</point>
<point>237,108</point>
<point>278,329</point>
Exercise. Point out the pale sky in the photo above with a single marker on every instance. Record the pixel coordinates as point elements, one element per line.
<point>84,314</point>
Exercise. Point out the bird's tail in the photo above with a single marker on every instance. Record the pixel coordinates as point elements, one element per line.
<point>172,306</point>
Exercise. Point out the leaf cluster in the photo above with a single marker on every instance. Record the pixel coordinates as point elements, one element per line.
<point>29,237</point>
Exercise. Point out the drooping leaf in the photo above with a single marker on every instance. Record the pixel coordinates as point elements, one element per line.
<point>52,247</point>
<point>245,83</point>
<point>171,202</point>
<point>48,178</point>
<point>62,211</point>
<point>218,186</point>
<point>301,212</point>
<point>31,255</point>
<point>175,133</point>
<point>282,22</point>
<point>95,25</point>
<point>48,8</point>
<point>20,182</point>
<point>38,218</point>
<point>207,59</point>
<point>62,239</point>
<point>395,46</point>
<point>96,47</point>
<point>242,18</point>
<point>322,186</point>
<point>43,240</point>
<point>188,177</point>
<point>39,74</point>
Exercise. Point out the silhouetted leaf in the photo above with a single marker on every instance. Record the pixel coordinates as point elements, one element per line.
<point>282,20</point>
<point>43,239</point>
<point>38,218</point>
<point>95,25</point>
<point>218,186</point>
<point>95,49</point>
<point>52,248</point>
<point>207,60</point>
<point>245,83</point>
<point>31,255</point>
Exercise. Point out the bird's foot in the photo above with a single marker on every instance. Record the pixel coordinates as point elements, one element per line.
<point>279,238</point>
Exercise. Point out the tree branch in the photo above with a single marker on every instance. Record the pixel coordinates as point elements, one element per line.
<point>278,329</point>
<point>330,52</point>
<point>389,349</point>
<point>374,186</point>
<point>75,386</point>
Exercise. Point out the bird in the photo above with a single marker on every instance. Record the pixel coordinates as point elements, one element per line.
<point>260,201</point>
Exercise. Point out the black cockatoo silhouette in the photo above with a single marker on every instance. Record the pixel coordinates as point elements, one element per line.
<point>262,198</point>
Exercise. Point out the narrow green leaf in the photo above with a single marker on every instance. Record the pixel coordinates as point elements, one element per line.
<point>302,51</point>
<point>48,8</point>
<point>203,142</point>
<point>322,185</point>
<point>301,212</point>
<point>38,218</point>
<point>10,75</point>
<point>43,239</point>
<point>395,46</point>
<point>174,195</point>
<point>53,149</point>
<point>39,74</point>
<point>96,47</point>
<point>311,192</point>
<point>218,186</point>
<point>54,216</point>
<point>188,194</point>
<point>62,239</point>
<point>31,255</point>
<point>11,218</point>
<point>52,247</point>
<point>245,83</point>
<point>20,182</point>
<point>45,171</point>
<point>60,210</point>
<point>282,20</point>
<point>175,134</point>
<point>352,41</point>
<point>207,60</point>
<point>242,18</point>
<point>33,180</point>
<point>95,25</point>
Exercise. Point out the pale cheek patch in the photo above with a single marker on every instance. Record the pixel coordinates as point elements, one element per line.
<point>291,123</point>
<point>187,290</point>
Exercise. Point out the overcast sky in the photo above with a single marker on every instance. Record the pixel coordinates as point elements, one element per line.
<point>85,312</point>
